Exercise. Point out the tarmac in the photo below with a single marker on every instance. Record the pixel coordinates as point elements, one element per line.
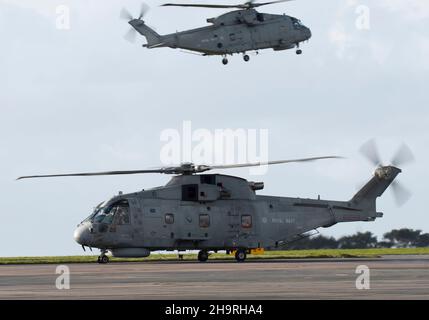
<point>390,277</point>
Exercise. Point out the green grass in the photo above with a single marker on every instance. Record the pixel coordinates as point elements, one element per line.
<point>291,254</point>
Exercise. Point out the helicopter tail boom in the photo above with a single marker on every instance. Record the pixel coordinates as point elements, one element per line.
<point>383,177</point>
<point>153,38</point>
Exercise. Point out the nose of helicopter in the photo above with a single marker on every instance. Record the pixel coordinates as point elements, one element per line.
<point>82,234</point>
<point>307,33</point>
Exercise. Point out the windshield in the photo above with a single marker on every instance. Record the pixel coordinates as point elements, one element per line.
<point>96,210</point>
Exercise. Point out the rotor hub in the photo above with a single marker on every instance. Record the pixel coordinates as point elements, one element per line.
<point>387,173</point>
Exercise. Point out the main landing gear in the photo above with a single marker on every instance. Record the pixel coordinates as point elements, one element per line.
<point>203,256</point>
<point>240,255</point>
<point>103,259</point>
<point>246,58</point>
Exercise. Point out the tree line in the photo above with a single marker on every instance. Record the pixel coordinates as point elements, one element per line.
<point>398,238</point>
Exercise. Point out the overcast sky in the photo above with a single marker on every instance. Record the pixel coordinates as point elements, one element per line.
<point>85,99</point>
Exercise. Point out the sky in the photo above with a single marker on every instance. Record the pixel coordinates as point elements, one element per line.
<point>85,99</point>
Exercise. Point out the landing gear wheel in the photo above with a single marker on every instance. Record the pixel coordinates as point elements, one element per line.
<point>299,51</point>
<point>103,259</point>
<point>225,61</point>
<point>240,255</point>
<point>246,57</point>
<point>203,256</point>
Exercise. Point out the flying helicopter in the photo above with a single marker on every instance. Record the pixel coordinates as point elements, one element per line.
<point>237,31</point>
<point>216,212</point>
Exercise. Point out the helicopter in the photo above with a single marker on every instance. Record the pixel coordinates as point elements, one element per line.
<point>216,212</point>
<point>237,31</point>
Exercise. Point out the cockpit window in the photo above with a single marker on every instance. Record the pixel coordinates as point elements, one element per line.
<point>122,214</point>
<point>297,24</point>
<point>117,213</point>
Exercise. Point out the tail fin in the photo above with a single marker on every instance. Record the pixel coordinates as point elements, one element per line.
<point>367,196</point>
<point>153,38</point>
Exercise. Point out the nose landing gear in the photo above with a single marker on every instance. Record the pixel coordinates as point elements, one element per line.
<point>246,57</point>
<point>298,50</point>
<point>225,61</point>
<point>103,259</point>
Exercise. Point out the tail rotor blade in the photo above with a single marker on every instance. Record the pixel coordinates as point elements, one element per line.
<point>131,35</point>
<point>403,156</point>
<point>370,151</point>
<point>125,14</point>
<point>401,194</point>
<point>144,8</point>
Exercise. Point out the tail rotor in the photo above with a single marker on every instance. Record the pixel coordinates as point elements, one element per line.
<point>402,157</point>
<point>131,34</point>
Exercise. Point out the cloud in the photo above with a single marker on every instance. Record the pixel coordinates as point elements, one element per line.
<point>411,9</point>
<point>380,41</point>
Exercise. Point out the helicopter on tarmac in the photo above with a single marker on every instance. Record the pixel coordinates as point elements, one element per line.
<point>215,212</point>
<point>237,31</point>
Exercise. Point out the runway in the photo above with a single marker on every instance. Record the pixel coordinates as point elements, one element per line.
<point>393,277</point>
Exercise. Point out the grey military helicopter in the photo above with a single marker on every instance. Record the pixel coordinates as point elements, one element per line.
<point>238,31</point>
<point>216,212</point>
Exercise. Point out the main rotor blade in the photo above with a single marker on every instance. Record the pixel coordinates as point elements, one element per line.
<point>370,151</point>
<point>125,14</point>
<point>255,5</point>
<point>88,174</point>
<point>246,5</point>
<point>257,164</point>
<point>403,156</point>
<point>401,194</point>
<point>196,5</point>
<point>185,168</point>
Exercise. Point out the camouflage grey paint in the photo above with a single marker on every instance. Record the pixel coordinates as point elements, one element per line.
<point>233,32</point>
<point>225,200</point>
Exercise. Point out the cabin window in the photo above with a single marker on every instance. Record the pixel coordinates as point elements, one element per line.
<point>246,221</point>
<point>169,218</point>
<point>204,221</point>
<point>190,192</point>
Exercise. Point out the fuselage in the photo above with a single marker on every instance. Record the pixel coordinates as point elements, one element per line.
<point>213,212</point>
<point>234,32</point>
